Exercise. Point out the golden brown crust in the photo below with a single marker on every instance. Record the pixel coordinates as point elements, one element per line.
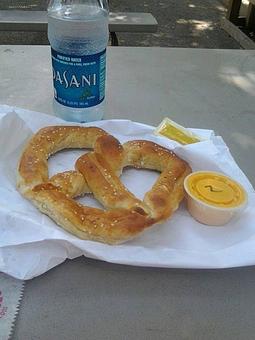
<point>71,183</point>
<point>105,185</point>
<point>164,197</point>
<point>33,167</point>
<point>98,172</point>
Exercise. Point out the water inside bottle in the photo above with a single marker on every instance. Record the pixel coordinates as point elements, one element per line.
<point>78,28</point>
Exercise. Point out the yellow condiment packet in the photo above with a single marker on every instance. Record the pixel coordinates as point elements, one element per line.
<point>174,131</point>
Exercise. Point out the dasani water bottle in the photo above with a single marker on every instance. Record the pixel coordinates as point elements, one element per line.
<point>78,34</point>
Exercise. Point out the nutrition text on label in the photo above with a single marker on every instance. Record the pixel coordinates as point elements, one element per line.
<point>71,61</point>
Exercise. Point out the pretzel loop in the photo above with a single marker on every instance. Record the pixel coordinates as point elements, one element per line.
<point>98,172</point>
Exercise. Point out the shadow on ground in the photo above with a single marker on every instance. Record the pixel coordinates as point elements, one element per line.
<point>182,23</point>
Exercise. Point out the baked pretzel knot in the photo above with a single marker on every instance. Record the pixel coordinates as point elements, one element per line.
<point>98,172</point>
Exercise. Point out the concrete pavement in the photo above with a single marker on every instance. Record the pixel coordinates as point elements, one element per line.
<point>182,23</point>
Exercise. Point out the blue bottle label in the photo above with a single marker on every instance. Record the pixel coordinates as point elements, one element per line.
<point>79,81</point>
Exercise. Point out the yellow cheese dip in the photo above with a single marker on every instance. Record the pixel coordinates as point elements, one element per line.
<point>215,189</point>
<point>214,198</point>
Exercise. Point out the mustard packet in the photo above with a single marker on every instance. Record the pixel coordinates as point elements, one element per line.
<point>168,128</point>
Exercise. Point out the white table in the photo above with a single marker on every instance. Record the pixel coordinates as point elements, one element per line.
<point>88,299</point>
<point>196,87</point>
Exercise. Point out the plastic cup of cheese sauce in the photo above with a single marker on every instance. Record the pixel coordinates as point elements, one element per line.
<point>213,198</point>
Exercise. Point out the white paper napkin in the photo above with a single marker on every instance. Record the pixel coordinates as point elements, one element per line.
<point>31,243</point>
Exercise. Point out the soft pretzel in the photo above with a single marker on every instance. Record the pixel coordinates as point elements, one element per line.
<point>98,172</point>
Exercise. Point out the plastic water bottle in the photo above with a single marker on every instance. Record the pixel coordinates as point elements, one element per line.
<point>78,34</point>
